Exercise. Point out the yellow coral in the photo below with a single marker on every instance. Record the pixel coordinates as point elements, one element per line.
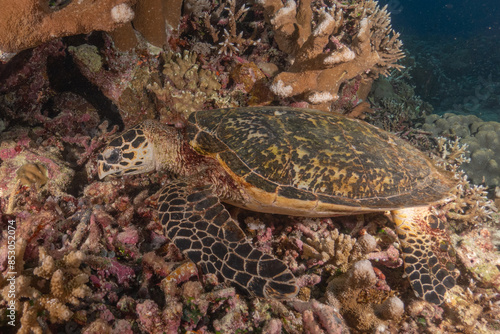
<point>63,279</point>
<point>187,86</point>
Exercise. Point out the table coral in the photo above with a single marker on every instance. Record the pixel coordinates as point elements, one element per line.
<point>341,43</point>
<point>28,23</point>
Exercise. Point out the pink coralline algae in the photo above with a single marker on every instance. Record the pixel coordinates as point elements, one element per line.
<point>389,258</point>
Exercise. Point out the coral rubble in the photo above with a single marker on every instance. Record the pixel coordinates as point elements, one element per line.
<point>346,292</point>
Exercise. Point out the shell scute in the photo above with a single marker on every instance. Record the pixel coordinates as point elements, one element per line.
<point>294,193</point>
<point>261,183</point>
<point>234,163</point>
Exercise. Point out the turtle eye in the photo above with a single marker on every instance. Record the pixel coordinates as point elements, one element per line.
<point>113,157</point>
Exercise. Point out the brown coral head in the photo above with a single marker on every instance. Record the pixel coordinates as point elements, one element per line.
<point>128,154</point>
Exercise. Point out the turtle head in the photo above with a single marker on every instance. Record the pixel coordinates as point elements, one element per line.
<point>127,154</point>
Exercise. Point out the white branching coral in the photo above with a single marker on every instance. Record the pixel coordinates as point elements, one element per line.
<point>228,42</point>
<point>482,139</point>
<point>470,204</point>
<point>323,54</point>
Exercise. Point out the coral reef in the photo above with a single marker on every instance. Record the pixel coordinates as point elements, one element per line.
<point>482,140</point>
<point>358,38</point>
<point>187,86</point>
<point>91,256</point>
<point>29,23</point>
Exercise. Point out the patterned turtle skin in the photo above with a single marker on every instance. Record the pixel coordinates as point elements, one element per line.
<point>288,161</point>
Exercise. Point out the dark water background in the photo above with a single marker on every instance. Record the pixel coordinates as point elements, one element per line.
<point>456,51</point>
<point>445,18</point>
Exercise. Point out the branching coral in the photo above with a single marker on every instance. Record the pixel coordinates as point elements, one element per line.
<point>228,41</point>
<point>330,46</point>
<point>332,247</point>
<point>482,138</point>
<point>56,286</point>
<point>470,204</point>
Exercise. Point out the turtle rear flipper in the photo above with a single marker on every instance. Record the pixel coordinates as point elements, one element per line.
<point>199,225</point>
<point>426,252</point>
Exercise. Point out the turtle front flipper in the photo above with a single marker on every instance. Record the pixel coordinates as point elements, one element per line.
<point>199,225</point>
<point>426,252</point>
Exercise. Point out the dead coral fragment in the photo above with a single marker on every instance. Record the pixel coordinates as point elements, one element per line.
<point>324,55</point>
<point>329,317</point>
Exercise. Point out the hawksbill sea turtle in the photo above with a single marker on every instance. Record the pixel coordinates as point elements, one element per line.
<point>285,161</point>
